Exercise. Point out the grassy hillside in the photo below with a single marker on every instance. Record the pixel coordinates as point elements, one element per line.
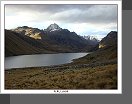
<point>105,55</point>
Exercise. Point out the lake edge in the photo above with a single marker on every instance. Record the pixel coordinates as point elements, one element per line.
<point>47,65</point>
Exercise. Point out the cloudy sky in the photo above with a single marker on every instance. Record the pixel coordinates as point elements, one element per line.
<point>97,20</point>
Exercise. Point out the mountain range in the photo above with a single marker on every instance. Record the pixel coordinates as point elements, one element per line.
<point>27,40</point>
<point>92,39</point>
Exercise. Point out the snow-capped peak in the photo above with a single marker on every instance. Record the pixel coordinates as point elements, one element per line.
<point>93,38</point>
<point>53,27</point>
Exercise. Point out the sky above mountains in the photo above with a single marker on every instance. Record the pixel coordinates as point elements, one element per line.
<point>92,20</point>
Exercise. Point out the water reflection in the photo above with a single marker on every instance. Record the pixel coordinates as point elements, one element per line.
<point>40,60</point>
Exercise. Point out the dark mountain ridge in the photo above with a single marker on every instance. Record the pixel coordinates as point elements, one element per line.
<point>27,40</point>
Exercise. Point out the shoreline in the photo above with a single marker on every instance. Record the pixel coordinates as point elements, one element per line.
<point>67,65</point>
<point>43,65</point>
<point>46,53</point>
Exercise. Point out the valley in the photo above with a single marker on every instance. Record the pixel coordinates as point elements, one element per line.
<point>97,70</point>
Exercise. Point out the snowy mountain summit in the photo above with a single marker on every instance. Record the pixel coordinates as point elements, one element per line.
<point>53,27</point>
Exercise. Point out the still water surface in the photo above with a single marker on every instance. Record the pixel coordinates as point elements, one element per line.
<point>40,60</point>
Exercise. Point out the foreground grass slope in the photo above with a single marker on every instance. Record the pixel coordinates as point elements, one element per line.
<point>100,77</point>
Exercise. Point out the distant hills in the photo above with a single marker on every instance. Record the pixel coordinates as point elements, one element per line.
<point>27,40</point>
<point>92,39</point>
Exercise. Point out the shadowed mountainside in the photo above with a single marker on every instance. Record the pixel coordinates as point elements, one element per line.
<point>17,44</point>
<point>27,40</point>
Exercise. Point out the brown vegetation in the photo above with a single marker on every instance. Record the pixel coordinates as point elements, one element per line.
<point>100,77</point>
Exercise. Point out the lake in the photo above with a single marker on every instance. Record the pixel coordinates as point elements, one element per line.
<point>40,60</point>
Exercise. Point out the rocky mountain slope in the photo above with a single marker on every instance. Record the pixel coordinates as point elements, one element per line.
<point>28,31</point>
<point>27,40</point>
<point>109,40</point>
<point>53,27</point>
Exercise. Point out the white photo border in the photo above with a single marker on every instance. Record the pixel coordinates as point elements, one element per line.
<point>65,91</point>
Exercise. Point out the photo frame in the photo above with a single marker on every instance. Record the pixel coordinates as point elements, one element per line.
<point>63,91</point>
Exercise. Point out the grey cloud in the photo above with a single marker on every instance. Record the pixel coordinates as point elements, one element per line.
<point>51,8</point>
<point>64,13</point>
<point>95,14</point>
